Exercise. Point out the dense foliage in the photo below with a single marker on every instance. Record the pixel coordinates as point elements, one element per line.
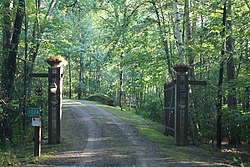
<point>126,49</point>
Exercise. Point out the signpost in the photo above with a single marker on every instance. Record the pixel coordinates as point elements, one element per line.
<point>35,113</point>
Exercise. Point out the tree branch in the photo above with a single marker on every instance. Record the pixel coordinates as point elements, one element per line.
<point>52,5</point>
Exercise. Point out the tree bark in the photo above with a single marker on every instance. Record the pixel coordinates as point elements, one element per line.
<point>189,38</point>
<point>179,33</point>
<point>247,91</point>
<point>25,86</point>
<point>7,37</point>
<point>232,101</point>
<point>10,48</point>
<point>121,83</point>
<point>220,81</point>
<point>163,39</point>
<point>7,26</point>
<point>70,77</point>
<point>81,77</point>
<point>231,98</point>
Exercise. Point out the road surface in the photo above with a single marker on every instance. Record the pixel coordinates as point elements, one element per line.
<point>99,139</point>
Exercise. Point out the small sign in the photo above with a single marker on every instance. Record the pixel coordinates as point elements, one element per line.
<point>36,121</point>
<point>33,111</point>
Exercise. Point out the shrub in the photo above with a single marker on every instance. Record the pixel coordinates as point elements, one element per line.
<point>105,99</point>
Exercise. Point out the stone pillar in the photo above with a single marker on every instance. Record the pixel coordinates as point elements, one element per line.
<point>181,105</point>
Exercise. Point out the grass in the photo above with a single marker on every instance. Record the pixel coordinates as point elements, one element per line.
<point>17,155</point>
<point>155,133</point>
<point>23,154</point>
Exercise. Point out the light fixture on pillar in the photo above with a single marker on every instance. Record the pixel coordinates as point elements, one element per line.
<point>53,88</point>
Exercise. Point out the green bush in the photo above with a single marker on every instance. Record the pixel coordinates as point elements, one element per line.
<point>105,99</point>
<point>151,108</point>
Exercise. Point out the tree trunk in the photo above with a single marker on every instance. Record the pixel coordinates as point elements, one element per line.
<point>121,84</point>
<point>247,91</point>
<point>220,81</point>
<point>178,33</point>
<point>7,26</point>
<point>163,38</point>
<point>7,37</point>
<point>10,48</point>
<point>24,107</point>
<point>37,34</point>
<point>189,38</point>
<point>70,77</point>
<point>81,77</point>
<point>231,101</point>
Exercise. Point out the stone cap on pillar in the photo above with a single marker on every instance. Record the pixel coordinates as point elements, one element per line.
<point>182,68</point>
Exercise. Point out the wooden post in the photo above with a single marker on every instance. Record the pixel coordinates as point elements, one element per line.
<point>181,105</point>
<point>37,141</point>
<point>54,104</point>
<point>176,104</point>
<point>36,122</point>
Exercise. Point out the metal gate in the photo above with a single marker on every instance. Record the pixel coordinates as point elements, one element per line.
<point>169,108</point>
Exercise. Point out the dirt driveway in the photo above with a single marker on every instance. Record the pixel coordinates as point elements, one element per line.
<point>97,138</point>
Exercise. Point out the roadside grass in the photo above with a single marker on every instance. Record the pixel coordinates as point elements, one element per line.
<point>22,152</point>
<point>155,133</point>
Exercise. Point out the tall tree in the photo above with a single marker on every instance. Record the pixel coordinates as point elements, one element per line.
<point>10,48</point>
<point>163,34</point>
<point>188,42</point>
<point>11,32</point>
<point>180,45</point>
<point>231,98</point>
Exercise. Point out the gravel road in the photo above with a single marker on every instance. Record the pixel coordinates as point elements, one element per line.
<point>100,139</point>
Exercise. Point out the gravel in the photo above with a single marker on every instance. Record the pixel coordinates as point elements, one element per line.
<point>99,139</point>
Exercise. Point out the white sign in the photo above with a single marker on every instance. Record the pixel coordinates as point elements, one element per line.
<point>36,121</point>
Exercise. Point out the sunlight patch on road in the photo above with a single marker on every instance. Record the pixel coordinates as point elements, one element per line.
<point>76,154</point>
<point>69,102</point>
<point>120,156</point>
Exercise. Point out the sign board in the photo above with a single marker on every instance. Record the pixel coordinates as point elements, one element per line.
<point>33,111</point>
<point>36,121</point>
